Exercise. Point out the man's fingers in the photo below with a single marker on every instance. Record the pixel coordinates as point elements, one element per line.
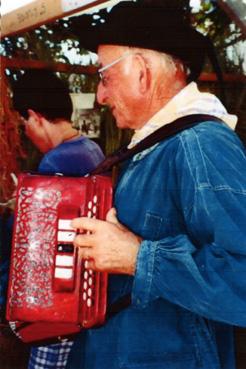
<point>86,253</point>
<point>87,224</point>
<point>85,247</point>
<point>93,225</point>
<point>83,240</point>
<point>112,216</point>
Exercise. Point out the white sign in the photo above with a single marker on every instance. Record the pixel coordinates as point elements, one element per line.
<point>68,5</point>
<point>8,6</point>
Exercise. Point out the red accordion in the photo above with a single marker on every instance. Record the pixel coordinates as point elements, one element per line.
<point>52,292</point>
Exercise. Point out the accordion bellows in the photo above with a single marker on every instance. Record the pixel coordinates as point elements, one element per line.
<point>52,292</point>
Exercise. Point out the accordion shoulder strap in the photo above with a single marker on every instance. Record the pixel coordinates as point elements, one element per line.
<point>159,135</point>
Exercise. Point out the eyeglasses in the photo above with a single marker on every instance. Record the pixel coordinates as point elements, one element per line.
<point>125,55</point>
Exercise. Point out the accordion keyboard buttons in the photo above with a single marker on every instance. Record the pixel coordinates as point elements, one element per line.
<point>64,275</point>
<point>88,274</point>
<point>87,285</point>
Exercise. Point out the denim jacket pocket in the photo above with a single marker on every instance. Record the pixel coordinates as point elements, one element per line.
<point>154,225</point>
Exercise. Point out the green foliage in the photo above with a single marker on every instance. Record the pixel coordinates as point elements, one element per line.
<point>50,43</point>
<point>227,38</point>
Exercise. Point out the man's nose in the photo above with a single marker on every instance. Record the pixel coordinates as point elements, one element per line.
<point>101,94</point>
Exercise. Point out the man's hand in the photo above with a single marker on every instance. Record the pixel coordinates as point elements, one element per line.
<point>112,246</point>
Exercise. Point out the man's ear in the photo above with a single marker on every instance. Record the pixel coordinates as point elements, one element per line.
<point>143,73</point>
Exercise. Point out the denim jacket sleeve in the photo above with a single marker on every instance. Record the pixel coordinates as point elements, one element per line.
<point>204,269</point>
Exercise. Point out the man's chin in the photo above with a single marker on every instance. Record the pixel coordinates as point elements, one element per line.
<point>119,122</point>
<point>121,125</point>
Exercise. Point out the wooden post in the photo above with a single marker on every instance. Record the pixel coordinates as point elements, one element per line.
<point>15,63</point>
<point>41,12</point>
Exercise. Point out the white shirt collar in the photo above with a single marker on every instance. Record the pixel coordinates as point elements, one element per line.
<point>188,101</point>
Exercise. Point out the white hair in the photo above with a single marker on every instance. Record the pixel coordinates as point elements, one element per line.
<point>166,62</point>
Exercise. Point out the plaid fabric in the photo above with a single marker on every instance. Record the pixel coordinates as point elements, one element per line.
<point>50,357</point>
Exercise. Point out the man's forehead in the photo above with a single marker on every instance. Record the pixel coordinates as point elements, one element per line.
<point>110,51</point>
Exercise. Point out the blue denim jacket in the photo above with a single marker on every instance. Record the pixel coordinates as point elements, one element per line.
<point>187,198</point>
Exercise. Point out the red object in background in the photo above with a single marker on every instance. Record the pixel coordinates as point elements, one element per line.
<point>52,292</point>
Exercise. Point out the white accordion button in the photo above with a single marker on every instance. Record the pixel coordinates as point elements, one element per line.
<point>86,264</point>
<point>65,236</point>
<point>85,274</point>
<point>65,224</point>
<point>64,260</point>
<point>63,273</point>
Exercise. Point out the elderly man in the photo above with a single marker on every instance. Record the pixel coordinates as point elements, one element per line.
<point>176,240</point>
